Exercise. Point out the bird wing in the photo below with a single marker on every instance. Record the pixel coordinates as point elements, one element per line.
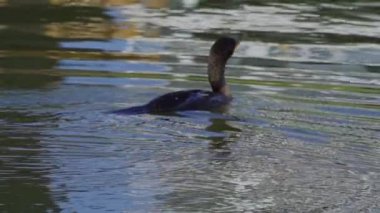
<point>177,100</point>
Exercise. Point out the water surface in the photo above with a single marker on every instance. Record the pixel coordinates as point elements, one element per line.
<point>302,134</point>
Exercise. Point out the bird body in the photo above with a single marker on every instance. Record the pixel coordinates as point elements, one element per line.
<point>214,100</point>
<point>181,101</point>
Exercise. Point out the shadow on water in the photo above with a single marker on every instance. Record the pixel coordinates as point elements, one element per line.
<point>220,125</point>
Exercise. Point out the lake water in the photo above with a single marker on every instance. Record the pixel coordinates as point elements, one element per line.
<point>302,134</point>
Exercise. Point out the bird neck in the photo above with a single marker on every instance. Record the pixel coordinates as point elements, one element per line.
<point>216,67</point>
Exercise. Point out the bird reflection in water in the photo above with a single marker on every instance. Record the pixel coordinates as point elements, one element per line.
<point>227,134</point>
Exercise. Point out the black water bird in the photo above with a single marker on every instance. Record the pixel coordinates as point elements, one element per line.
<point>202,100</point>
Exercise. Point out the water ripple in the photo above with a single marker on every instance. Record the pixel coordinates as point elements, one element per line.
<point>301,135</point>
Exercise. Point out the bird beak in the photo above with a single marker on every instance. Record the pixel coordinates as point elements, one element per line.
<point>237,45</point>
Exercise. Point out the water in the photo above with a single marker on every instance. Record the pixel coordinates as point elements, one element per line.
<point>302,134</point>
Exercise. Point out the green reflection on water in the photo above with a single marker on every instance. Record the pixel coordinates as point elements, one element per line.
<point>24,182</point>
<point>286,84</point>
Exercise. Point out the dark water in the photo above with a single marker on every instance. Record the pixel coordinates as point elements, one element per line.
<point>302,135</point>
